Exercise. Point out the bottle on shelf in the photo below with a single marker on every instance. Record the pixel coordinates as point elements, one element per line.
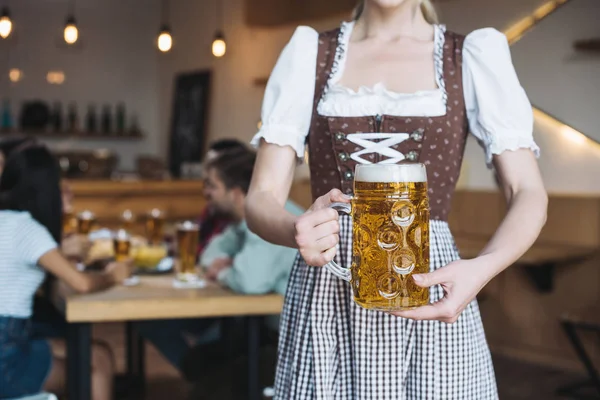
<point>72,118</point>
<point>57,118</point>
<point>91,123</point>
<point>134,128</point>
<point>106,120</point>
<point>7,122</point>
<point>120,119</point>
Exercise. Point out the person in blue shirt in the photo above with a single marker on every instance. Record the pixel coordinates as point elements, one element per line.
<point>237,258</point>
<point>30,233</point>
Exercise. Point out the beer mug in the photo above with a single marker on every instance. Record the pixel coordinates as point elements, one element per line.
<point>154,226</point>
<point>127,220</point>
<point>85,222</point>
<point>390,236</point>
<point>122,245</point>
<point>187,245</point>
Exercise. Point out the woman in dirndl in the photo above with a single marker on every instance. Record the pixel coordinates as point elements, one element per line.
<point>394,73</point>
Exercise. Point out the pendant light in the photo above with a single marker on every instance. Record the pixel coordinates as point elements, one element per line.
<point>71,33</point>
<point>165,40</point>
<point>219,47</point>
<point>5,23</point>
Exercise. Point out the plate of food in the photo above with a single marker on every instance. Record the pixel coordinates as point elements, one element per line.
<point>152,259</point>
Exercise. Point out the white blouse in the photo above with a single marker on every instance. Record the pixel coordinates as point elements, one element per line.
<point>499,112</point>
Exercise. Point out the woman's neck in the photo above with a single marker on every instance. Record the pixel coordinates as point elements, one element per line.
<point>391,24</point>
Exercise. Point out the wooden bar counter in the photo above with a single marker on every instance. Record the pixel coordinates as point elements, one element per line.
<point>179,199</point>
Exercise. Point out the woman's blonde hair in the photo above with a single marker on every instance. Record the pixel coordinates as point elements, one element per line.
<point>427,9</point>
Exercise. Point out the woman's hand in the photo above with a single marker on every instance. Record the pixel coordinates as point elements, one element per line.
<point>119,271</point>
<point>317,230</point>
<point>75,246</point>
<point>461,281</point>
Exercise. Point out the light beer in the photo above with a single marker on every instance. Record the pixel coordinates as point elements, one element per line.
<point>390,230</point>
<point>69,223</point>
<point>154,226</point>
<point>122,245</point>
<point>127,220</point>
<point>85,222</point>
<point>187,244</point>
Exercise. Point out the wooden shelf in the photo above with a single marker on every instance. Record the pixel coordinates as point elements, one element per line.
<point>72,135</point>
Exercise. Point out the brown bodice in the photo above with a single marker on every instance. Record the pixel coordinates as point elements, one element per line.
<point>437,142</point>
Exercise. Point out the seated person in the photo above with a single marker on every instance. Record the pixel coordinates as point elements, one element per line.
<point>211,221</point>
<point>30,230</point>
<point>237,258</point>
<point>48,322</point>
<point>72,246</point>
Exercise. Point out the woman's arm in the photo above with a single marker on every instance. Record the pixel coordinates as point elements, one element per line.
<point>315,233</point>
<point>463,279</point>
<point>271,181</point>
<point>57,265</point>
<point>527,200</point>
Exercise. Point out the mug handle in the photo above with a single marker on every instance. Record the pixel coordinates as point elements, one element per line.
<point>332,266</point>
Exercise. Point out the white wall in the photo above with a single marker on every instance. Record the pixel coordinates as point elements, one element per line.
<point>117,62</point>
<point>560,80</point>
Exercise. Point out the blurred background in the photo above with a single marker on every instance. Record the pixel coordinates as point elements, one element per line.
<point>130,115</point>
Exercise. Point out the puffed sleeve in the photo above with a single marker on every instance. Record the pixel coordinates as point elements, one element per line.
<point>288,100</point>
<point>499,112</point>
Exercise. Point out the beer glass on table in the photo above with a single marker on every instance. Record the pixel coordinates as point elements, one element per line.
<point>85,222</point>
<point>69,223</point>
<point>154,226</point>
<point>187,244</point>
<point>127,220</point>
<point>122,245</point>
<point>390,236</point>
<point>122,249</point>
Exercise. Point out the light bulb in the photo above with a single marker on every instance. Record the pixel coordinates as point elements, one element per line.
<point>71,33</point>
<point>5,23</point>
<point>165,40</point>
<point>219,47</point>
<point>15,75</point>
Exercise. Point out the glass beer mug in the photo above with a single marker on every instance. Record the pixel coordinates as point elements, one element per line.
<point>390,236</point>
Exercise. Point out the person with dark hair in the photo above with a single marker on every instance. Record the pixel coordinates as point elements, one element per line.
<point>47,322</point>
<point>238,258</point>
<point>73,246</point>
<point>30,230</point>
<point>211,221</point>
<point>235,258</point>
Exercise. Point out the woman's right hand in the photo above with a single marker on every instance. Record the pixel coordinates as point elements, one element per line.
<point>317,230</point>
<point>119,271</point>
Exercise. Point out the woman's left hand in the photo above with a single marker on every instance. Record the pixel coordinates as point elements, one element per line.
<point>461,280</point>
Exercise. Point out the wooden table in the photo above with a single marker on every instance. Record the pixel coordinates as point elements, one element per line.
<point>539,261</point>
<point>155,298</point>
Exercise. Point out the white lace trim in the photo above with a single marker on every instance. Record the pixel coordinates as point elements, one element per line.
<point>505,141</point>
<point>281,135</point>
<point>378,99</point>
<point>345,102</point>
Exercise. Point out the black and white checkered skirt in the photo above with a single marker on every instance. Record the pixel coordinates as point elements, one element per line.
<point>330,348</point>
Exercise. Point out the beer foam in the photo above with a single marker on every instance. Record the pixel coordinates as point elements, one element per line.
<point>390,173</point>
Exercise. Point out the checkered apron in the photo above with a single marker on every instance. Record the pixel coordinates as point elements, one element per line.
<point>330,348</point>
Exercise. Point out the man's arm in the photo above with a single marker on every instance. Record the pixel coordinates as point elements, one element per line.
<point>225,245</point>
<point>257,267</point>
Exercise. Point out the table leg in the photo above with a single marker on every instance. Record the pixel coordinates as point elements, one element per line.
<point>253,327</point>
<point>79,361</point>
<point>594,377</point>
<point>136,359</point>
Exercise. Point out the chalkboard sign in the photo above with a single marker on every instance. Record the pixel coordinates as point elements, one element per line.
<point>189,119</point>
